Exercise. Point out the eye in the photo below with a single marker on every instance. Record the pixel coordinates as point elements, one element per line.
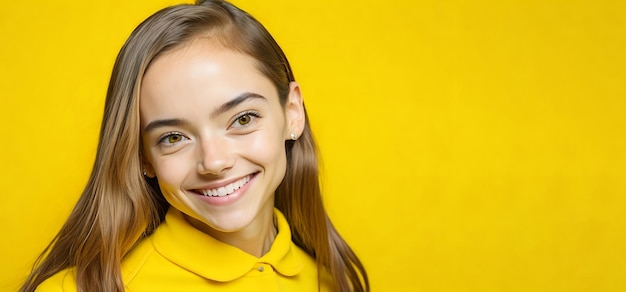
<point>172,138</point>
<point>244,119</point>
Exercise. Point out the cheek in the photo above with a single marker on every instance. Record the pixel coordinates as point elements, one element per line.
<point>171,170</point>
<point>267,149</point>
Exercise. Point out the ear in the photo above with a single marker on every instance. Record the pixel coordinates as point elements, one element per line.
<point>294,111</point>
<point>147,168</point>
<point>149,171</point>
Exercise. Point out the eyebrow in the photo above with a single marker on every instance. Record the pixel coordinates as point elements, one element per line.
<point>219,110</point>
<point>164,123</point>
<point>235,102</point>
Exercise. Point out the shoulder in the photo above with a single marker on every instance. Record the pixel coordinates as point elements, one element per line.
<point>137,259</point>
<point>312,275</point>
<point>64,280</point>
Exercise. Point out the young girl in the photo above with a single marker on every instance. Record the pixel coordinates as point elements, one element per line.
<point>206,174</point>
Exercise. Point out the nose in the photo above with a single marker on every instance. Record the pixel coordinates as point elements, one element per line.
<point>215,156</point>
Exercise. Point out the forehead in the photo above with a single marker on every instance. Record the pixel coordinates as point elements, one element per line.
<point>201,74</point>
<point>199,57</point>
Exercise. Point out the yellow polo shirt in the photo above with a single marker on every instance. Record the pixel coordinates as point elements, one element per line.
<point>178,257</point>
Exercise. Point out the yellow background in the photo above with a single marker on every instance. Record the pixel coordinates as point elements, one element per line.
<point>467,145</point>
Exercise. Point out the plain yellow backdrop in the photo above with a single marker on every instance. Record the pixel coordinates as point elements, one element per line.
<point>466,145</point>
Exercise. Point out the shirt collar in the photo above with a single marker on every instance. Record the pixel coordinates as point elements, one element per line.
<point>186,246</point>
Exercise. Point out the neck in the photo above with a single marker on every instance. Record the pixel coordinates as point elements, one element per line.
<point>255,239</point>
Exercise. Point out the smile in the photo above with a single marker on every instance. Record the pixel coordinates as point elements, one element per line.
<point>227,189</point>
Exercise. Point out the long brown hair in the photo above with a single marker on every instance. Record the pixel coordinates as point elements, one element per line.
<point>119,206</point>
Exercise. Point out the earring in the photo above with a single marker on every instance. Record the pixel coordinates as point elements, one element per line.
<point>293,136</point>
<point>145,173</point>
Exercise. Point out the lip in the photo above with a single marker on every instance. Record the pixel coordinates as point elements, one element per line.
<point>219,184</point>
<point>227,199</point>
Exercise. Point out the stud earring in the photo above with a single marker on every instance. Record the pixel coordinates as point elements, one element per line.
<point>293,136</point>
<point>145,173</point>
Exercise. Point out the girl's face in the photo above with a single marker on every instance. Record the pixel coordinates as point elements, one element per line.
<point>214,134</point>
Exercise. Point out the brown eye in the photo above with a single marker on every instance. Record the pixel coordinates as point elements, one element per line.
<point>174,138</point>
<point>244,120</point>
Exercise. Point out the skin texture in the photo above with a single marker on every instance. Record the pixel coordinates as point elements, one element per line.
<point>210,118</point>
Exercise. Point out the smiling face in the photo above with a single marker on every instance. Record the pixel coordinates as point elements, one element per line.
<point>214,134</point>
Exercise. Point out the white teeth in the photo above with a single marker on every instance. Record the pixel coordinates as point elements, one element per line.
<point>226,190</point>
